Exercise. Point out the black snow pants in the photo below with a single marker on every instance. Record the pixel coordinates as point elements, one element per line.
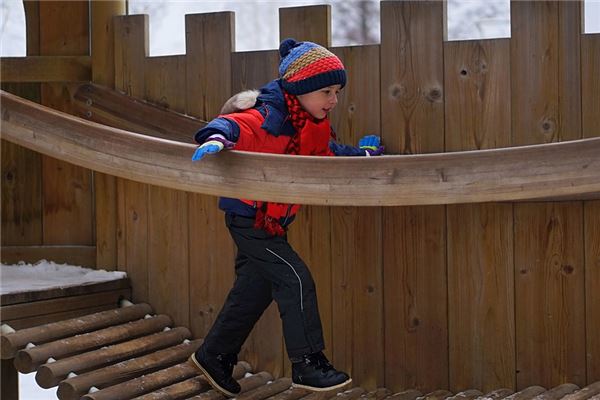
<point>267,269</point>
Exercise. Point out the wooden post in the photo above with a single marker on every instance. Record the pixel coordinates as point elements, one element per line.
<point>50,374</point>
<point>103,73</point>
<point>13,342</point>
<point>74,388</point>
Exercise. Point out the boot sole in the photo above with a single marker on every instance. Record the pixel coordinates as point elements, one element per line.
<point>322,389</point>
<point>210,380</point>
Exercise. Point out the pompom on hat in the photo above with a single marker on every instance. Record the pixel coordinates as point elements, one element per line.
<point>306,66</point>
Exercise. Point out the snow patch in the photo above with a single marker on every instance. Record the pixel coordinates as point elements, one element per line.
<point>44,275</point>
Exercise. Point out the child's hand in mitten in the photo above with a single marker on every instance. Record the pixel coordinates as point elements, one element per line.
<point>371,144</point>
<point>213,145</point>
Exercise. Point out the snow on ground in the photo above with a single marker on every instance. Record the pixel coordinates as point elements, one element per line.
<point>44,275</point>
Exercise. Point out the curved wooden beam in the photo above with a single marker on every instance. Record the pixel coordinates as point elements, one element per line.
<point>568,169</point>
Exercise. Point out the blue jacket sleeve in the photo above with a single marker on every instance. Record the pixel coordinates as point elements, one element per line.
<point>222,126</point>
<point>345,150</point>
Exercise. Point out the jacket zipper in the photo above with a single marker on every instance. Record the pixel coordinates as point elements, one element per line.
<point>287,214</point>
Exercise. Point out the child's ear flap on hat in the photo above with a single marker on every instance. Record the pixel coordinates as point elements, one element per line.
<point>285,47</point>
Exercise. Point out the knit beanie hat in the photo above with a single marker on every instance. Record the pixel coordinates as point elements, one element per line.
<point>307,66</point>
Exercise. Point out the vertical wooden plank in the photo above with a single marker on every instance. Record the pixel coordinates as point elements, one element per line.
<point>209,44</point>
<point>481,296</point>
<point>590,101</point>
<point>21,196</point>
<point>480,236</point>
<point>135,233</point>
<point>131,49</point>
<point>569,68</point>
<point>67,189</point>
<point>311,233</point>
<point>356,262</point>
<point>534,71</point>
<point>211,267</point>
<point>550,300</point>
<point>550,326</point>
<point>416,334</point>
<point>165,82</point>
<point>168,251</point>
<point>307,23</point>
<point>592,288</point>
<point>103,72</point>
<point>251,70</point>
<point>168,272</point>
<point>414,247</point>
<point>477,98</point>
<point>32,23</point>
<point>590,65</point>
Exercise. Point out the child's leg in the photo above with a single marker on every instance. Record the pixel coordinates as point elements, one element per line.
<point>292,285</point>
<point>247,300</point>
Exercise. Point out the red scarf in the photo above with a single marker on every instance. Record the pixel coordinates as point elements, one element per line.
<point>298,117</point>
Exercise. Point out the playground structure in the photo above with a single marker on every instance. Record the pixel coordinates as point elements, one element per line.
<point>426,293</point>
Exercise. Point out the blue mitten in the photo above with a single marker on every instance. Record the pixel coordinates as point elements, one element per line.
<point>371,144</point>
<point>211,146</point>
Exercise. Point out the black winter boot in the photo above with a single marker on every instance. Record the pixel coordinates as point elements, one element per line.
<point>315,372</point>
<point>217,368</point>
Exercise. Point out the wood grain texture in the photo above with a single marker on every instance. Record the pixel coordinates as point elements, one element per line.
<point>415,297</point>
<point>168,264</point>
<point>412,110</point>
<point>311,23</point>
<point>591,218</point>
<point>480,236</point>
<point>46,69</point>
<point>75,255</point>
<point>103,72</point>
<point>481,296</point>
<point>549,289</point>
<point>590,100</point>
<point>66,188</point>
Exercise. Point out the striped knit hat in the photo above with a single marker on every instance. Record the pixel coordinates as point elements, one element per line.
<point>306,67</point>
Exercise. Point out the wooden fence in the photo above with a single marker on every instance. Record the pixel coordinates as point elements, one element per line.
<point>463,296</point>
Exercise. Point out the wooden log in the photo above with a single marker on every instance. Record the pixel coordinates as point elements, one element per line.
<point>466,395</point>
<point>199,384</point>
<point>12,342</point>
<point>157,380</point>
<point>405,395</point>
<point>558,392</point>
<point>280,385</point>
<point>377,394</point>
<point>293,393</point>
<point>74,388</point>
<point>28,360</point>
<point>349,394</point>
<point>50,375</point>
<point>497,394</point>
<point>527,393</point>
<point>258,387</point>
<point>436,395</point>
<point>587,392</point>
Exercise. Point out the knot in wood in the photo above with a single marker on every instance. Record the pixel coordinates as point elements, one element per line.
<point>567,269</point>
<point>397,91</point>
<point>548,125</point>
<point>352,108</point>
<point>434,95</point>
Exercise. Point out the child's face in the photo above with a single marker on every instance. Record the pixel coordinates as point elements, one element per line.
<point>320,102</point>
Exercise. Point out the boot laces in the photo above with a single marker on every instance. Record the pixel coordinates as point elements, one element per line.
<point>319,361</point>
